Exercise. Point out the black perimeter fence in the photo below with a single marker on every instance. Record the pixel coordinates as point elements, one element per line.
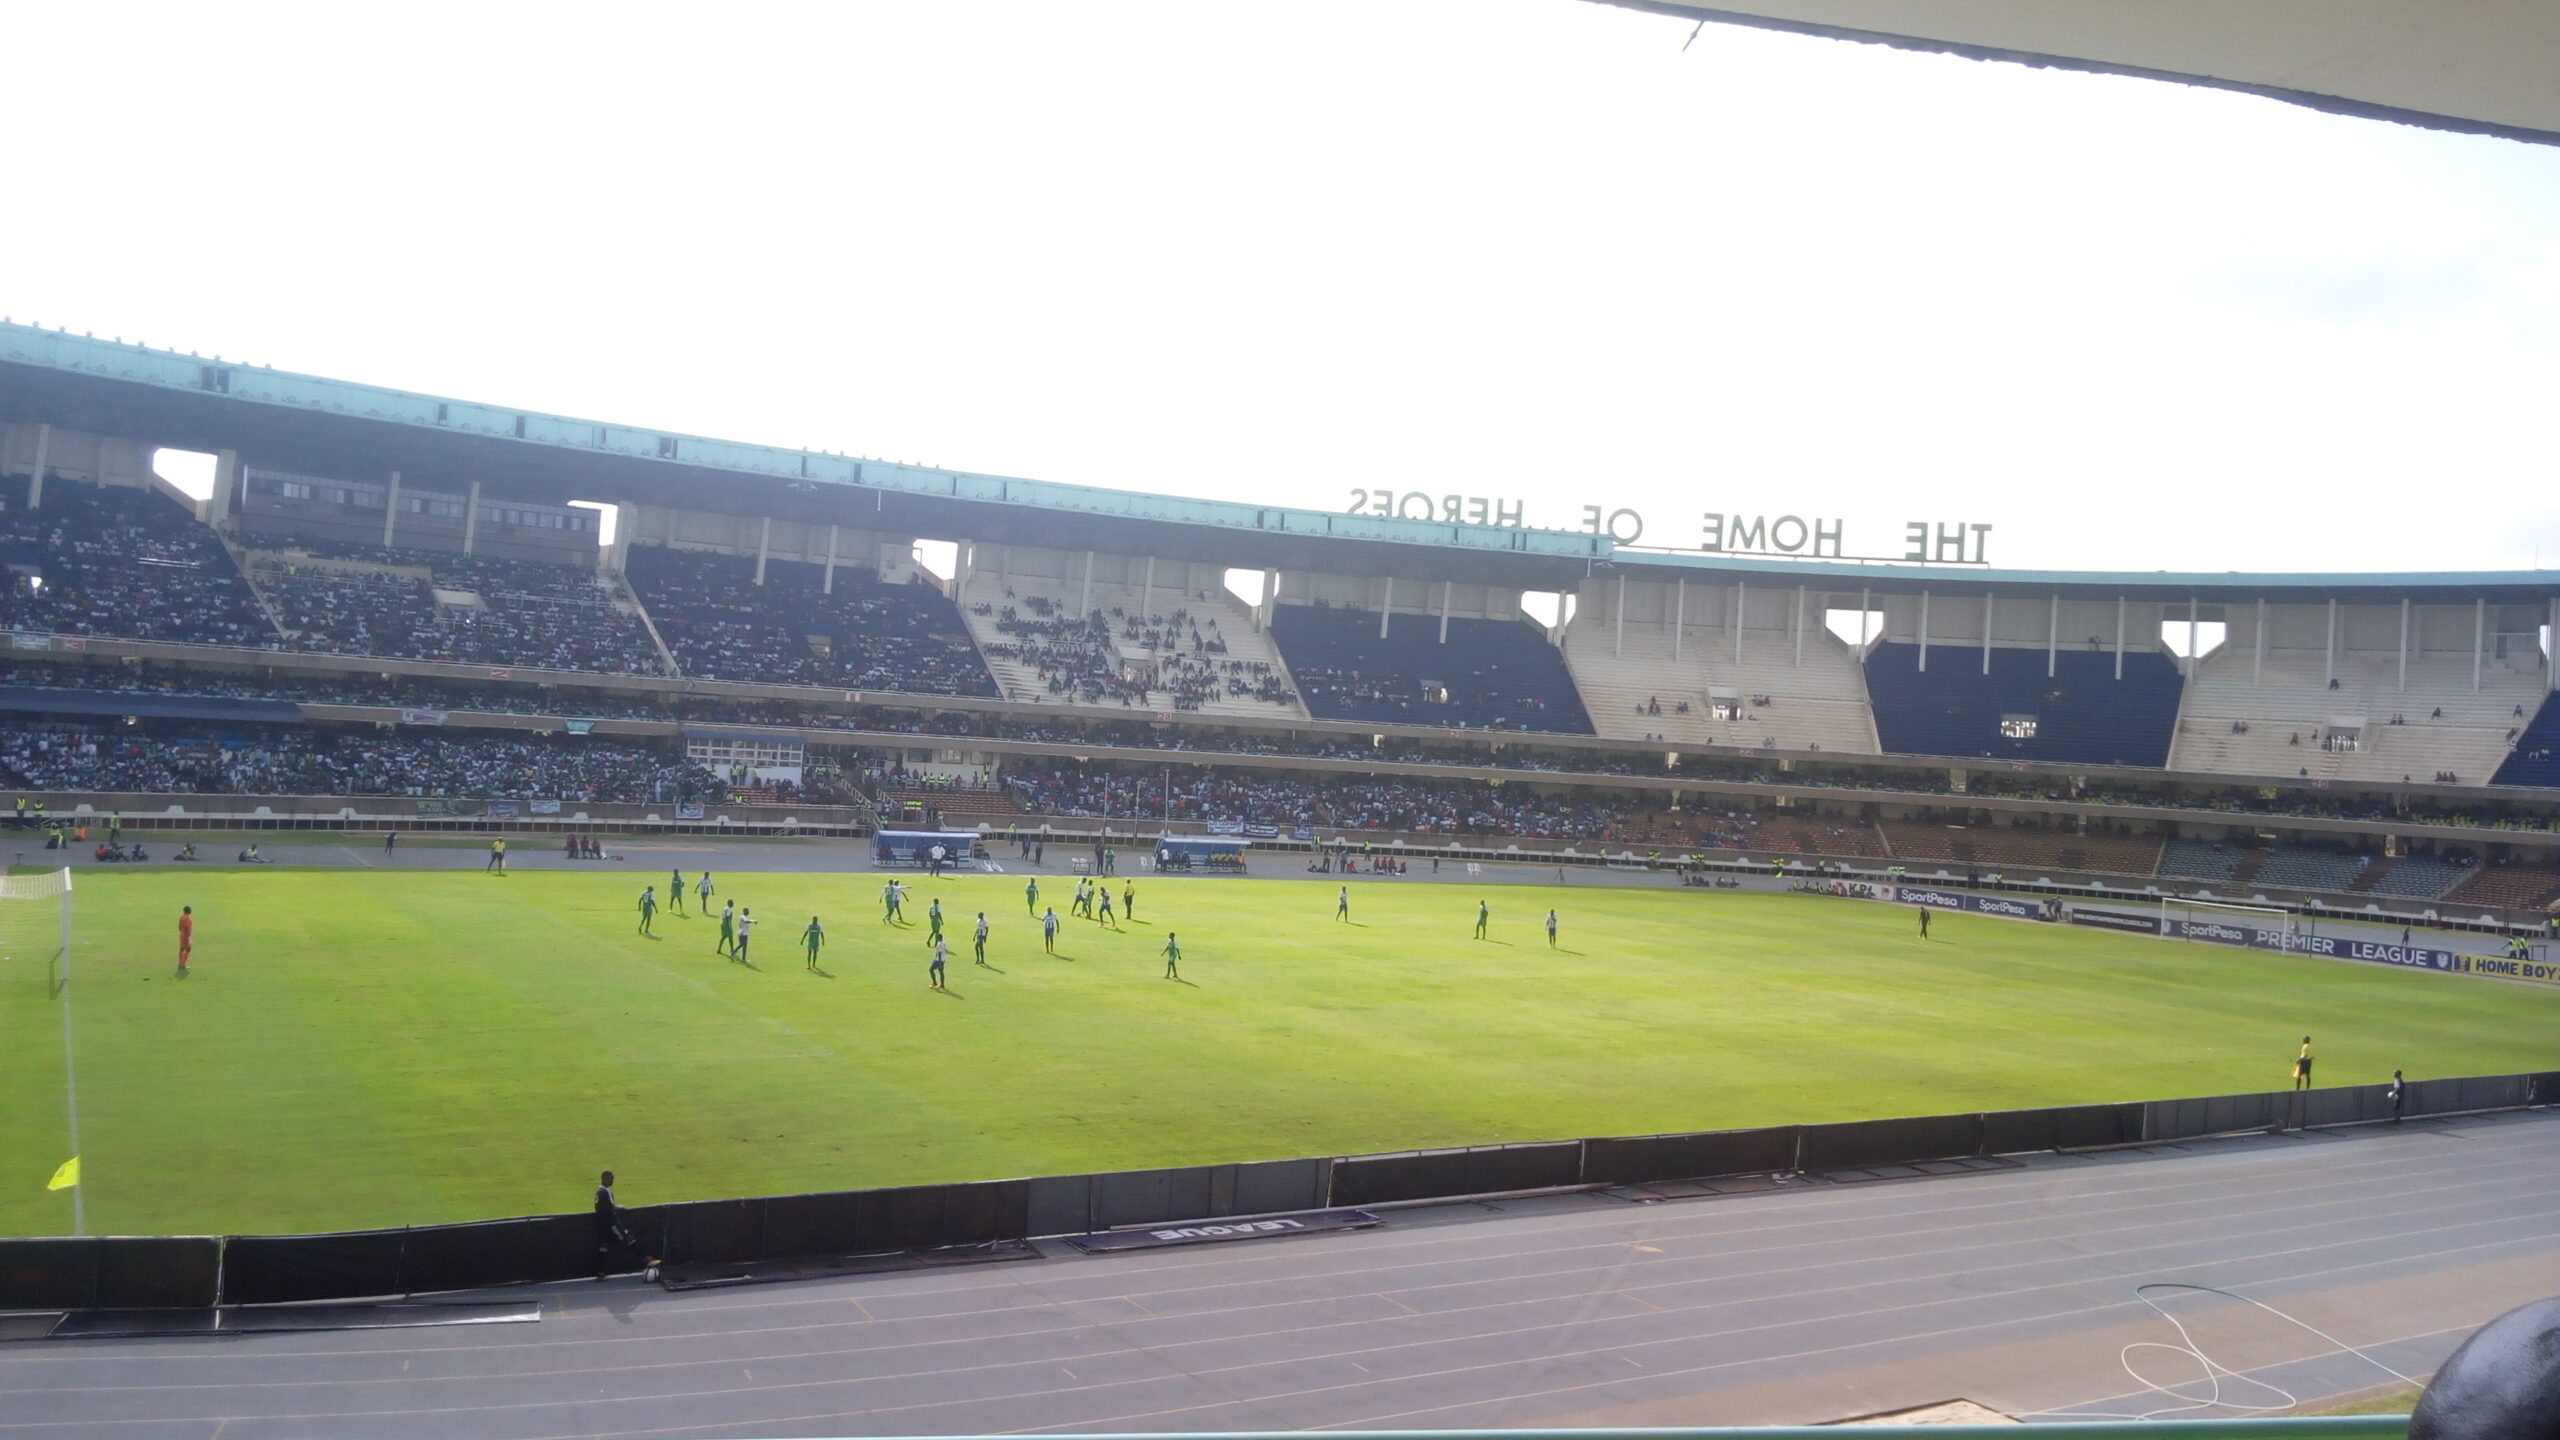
<point>182,1272</point>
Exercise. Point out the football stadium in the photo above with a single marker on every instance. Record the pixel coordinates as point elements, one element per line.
<point>1034,956</point>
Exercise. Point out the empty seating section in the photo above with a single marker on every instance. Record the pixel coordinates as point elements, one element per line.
<point>2518,887</point>
<point>865,635</point>
<point>2535,758</point>
<point>2081,714</point>
<point>1491,675</point>
<point>1635,689</point>
<point>1157,650</point>
<point>2307,867</point>
<point>2411,877</point>
<point>411,604</point>
<point>2020,847</point>
<point>109,560</point>
<point>2185,858</point>
<point>2282,719</point>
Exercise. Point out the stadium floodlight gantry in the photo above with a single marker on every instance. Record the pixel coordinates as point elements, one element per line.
<point>370,555</point>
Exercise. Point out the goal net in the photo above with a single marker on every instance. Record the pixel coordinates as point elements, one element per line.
<point>2265,926</point>
<point>35,926</point>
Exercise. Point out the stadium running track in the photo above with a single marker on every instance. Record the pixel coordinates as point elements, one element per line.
<point>1817,1301</point>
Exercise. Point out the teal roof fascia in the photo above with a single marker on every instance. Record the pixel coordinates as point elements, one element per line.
<point>115,360</point>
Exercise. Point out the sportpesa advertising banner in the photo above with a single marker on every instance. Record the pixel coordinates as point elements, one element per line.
<point>2217,932</point>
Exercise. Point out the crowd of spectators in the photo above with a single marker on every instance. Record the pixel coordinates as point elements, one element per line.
<point>1454,808</point>
<point>1106,656</point>
<point>340,598</point>
<point>864,635</point>
<point>121,561</point>
<point>300,761</point>
<point>166,680</point>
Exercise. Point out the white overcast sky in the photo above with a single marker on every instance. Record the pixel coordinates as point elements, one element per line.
<point>1519,248</point>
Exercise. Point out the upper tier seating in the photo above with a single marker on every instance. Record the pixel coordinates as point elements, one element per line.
<point>1197,652</point>
<point>1634,689</point>
<point>2282,724</point>
<point>2535,756</point>
<point>132,563</point>
<point>413,604</point>
<point>2082,714</point>
<point>867,635</point>
<point>1492,675</point>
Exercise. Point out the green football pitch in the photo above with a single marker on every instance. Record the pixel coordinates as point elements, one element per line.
<point>370,1048</point>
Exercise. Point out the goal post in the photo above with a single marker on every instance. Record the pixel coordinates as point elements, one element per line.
<point>35,922</point>
<point>2231,924</point>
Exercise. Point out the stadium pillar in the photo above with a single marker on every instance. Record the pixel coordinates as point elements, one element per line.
<point>1986,633</point>
<point>391,510</point>
<point>1084,599</point>
<point>2258,667</point>
<point>1386,603</point>
<point>1270,598</point>
<point>1446,586</point>
<point>226,478</point>
<point>1679,611</point>
<point>2052,633</point>
<point>2329,655</point>
<point>35,477</point>
<point>2479,636</point>
<point>1800,597</point>
<point>2404,642</point>
<point>1924,632</point>
<point>764,546</point>
<point>1147,592</point>
<point>1618,618</point>
<point>827,586</point>
<point>2191,637</point>
<point>471,518</point>
<point>1864,601</point>
<point>2119,637</point>
<point>1737,621</point>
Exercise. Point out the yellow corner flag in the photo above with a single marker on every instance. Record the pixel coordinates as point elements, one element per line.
<point>65,1177</point>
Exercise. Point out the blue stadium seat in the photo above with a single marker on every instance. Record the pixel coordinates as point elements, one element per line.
<point>2535,760</point>
<point>1492,675</point>
<point>2307,867</point>
<point>2082,714</point>
<point>2188,859</point>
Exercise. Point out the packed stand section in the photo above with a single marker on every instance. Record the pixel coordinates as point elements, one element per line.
<point>116,561</point>
<point>1256,797</point>
<point>865,635</point>
<point>297,761</point>
<point>335,598</point>
<point>1113,656</point>
<point>1491,675</point>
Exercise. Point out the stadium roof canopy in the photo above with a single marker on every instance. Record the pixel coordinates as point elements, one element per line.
<point>342,430</point>
<point>2489,67</point>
